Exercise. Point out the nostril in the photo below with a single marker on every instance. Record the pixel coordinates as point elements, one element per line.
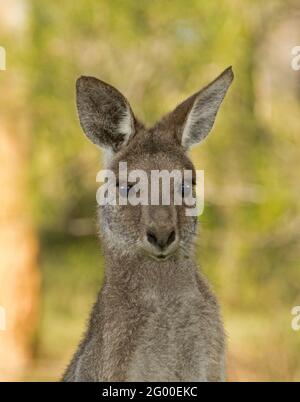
<point>162,239</point>
<point>171,238</point>
<point>152,238</point>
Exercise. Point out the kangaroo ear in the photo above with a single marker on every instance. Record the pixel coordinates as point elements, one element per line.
<point>104,113</point>
<point>193,119</point>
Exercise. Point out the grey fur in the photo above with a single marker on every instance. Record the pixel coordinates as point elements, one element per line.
<point>154,320</point>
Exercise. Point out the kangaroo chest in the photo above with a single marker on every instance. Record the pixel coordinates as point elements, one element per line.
<point>172,342</point>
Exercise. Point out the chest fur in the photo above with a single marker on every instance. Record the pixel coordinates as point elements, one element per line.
<point>174,342</point>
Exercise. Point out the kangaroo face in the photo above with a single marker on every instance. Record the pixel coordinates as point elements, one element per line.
<point>159,230</point>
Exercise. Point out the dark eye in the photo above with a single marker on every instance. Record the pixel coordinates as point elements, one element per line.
<point>124,189</point>
<point>186,189</point>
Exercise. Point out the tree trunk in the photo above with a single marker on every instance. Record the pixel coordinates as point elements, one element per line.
<point>19,276</point>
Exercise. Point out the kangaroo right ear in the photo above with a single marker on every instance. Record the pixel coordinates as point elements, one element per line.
<point>104,113</point>
<point>193,119</point>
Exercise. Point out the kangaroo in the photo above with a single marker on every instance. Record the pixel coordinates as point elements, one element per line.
<point>156,318</point>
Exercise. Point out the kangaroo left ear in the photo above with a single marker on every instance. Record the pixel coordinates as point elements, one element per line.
<point>193,119</point>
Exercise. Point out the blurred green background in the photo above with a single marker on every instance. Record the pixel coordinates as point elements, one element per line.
<point>157,53</point>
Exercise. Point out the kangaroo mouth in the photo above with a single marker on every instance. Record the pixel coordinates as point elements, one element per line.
<point>160,257</point>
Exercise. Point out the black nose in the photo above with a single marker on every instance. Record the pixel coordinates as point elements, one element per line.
<point>161,239</point>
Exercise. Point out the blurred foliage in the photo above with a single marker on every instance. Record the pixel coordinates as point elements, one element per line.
<point>157,53</point>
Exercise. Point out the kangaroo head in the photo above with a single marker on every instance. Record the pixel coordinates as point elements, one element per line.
<point>158,231</point>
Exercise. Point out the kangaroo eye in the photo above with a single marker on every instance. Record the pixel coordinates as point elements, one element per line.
<point>186,189</point>
<point>124,189</point>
